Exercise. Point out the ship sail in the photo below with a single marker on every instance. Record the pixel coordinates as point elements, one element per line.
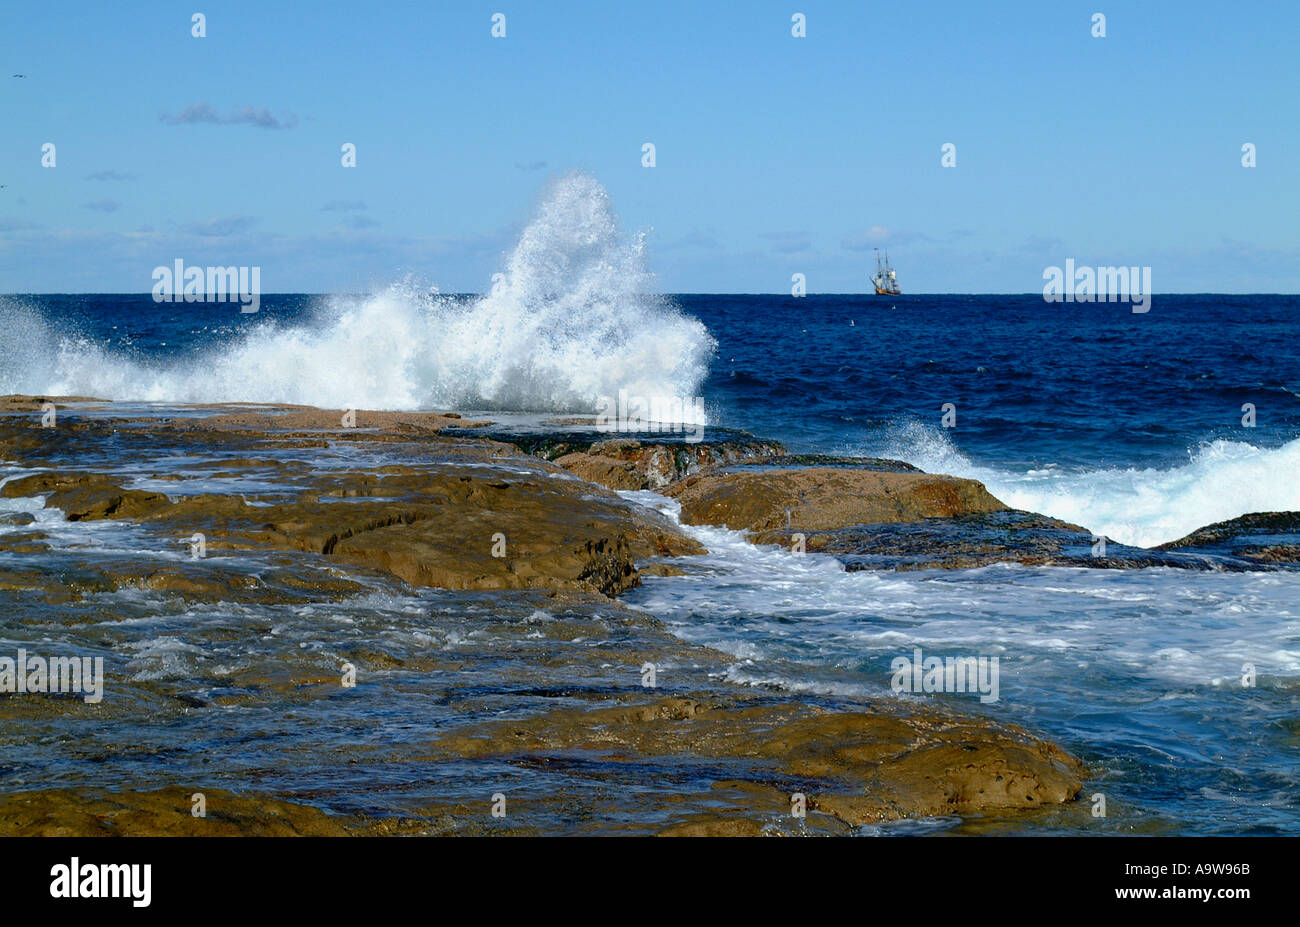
<point>884,279</point>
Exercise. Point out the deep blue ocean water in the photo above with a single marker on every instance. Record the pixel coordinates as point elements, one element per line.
<point>1084,384</point>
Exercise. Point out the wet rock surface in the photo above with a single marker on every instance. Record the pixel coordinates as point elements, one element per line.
<point>855,767</point>
<point>26,403</point>
<point>806,499</point>
<point>347,655</point>
<point>637,461</point>
<point>161,813</point>
<point>84,496</point>
<point>467,516</point>
<point>968,541</point>
<point>880,514</point>
<point>1261,538</point>
<point>799,461</point>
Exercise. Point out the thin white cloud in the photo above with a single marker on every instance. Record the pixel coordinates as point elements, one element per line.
<point>261,117</point>
<point>220,228</point>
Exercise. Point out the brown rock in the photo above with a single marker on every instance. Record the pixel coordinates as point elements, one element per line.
<point>439,526</point>
<point>308,418</point>
<point>162,813</point>
<point>86,496</point>
<point>55,481</point>
<point>712,825</point>
<point>858,766</point>
<point>713,760</point>
<point>772,503</point>
<point>610,472</point>
<point>25,542</point>
<point>105,500</point>
<point>21,403</point>
<point>1264,538</point>
<point>433,525</point>
<point>632,463</point>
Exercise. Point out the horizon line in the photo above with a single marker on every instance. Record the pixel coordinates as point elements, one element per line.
<point>1037,293</point>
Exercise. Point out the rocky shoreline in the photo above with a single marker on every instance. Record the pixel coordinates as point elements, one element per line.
<point>299,508</point>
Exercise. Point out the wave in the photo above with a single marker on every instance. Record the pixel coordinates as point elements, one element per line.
<point>1139,506</point>
<point>572,318</point>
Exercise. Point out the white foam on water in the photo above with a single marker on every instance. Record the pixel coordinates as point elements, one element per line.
<point>1140,506</point>
<point>162,658</point>
<point>572,319</point>
<point>1172,627</point>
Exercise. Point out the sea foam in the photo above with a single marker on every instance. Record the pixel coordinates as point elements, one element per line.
<point>571,318</point>
<point>1139,506</point>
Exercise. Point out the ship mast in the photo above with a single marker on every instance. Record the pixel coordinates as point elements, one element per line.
<point>885,280</point>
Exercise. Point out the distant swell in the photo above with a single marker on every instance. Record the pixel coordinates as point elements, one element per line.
<point>572,318</point>
<point>1144,507</point>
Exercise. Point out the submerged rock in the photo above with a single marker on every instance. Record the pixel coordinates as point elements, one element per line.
<point>1261,538</point>
<point>856,766</point>
<point>968,541</point>
<point>85,496</point>
<point>874,514</point>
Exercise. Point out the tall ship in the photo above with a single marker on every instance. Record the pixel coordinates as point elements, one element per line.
<point>885,280</point>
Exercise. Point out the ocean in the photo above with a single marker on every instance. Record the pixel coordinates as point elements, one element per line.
<point>1128,424</point>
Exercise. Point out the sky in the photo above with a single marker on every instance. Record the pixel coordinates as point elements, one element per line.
<point>774,154</point>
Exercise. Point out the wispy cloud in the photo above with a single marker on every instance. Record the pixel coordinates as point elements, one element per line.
<point>110,175</point>
<point>788,242</point>
<point>343,206</point>
<point>531,165</point>
<point>693,241</point>
<point>879,235</point>
<point>1040,244</point>
<point>360,222</point>
<point>18,225</point>
<point>220,228</point>
<point>104,205</point>
<point>261,117</point>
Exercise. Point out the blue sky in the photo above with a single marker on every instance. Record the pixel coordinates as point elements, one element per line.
<point>775,154</point>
